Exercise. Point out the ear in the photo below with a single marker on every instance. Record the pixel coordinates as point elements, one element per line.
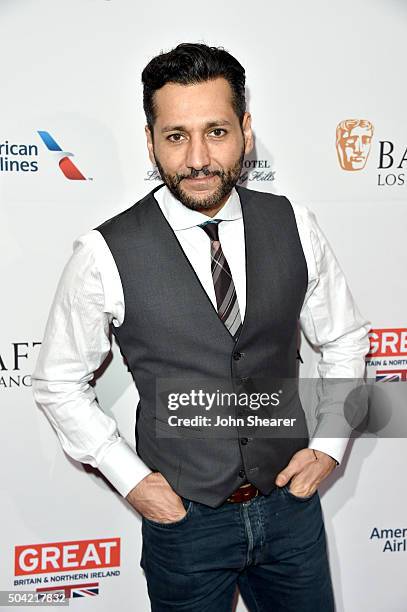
<point>247,133</point>
<point>150,145</point>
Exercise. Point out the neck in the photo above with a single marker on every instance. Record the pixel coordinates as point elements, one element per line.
<point>214,211</point>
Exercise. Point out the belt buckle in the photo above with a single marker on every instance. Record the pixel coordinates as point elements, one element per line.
<point>244,486</point>
<point>256,494</point>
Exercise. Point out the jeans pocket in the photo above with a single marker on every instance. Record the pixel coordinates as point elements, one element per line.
<point>297,497</point>
<point>187,505</point>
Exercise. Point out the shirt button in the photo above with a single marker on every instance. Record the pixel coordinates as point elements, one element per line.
<point>244,440</point>
<point>237,355</point>
<point>242,474</point>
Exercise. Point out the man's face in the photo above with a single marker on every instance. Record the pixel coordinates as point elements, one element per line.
<point>199,143</point>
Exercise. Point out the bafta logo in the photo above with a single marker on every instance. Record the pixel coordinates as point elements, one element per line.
<point>353,138</point>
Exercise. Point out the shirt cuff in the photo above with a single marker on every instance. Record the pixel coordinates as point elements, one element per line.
<point>123,467</point>
<point>334,447</point>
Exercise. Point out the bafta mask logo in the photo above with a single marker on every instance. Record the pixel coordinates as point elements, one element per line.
<point>353,138</point>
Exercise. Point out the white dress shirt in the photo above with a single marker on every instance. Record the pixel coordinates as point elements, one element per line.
<point>89,297</point>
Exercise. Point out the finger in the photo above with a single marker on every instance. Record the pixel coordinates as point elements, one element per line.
<point>284,476</point>
<point>295,467</point>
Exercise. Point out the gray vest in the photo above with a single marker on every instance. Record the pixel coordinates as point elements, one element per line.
<point>171,329</point>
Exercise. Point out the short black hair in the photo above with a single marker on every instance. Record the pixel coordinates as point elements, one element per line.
<point>190,63</point>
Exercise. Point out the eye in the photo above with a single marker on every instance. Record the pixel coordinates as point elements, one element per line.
<point>218,132</point>
<point>175,137</point>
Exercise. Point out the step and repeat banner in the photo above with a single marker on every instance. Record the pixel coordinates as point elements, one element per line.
<point>326,89</point>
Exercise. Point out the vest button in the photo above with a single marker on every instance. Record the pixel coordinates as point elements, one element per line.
<point>242,474</point>
<point>245,379</point>
<point>244,440</point>
<point>237,355</point>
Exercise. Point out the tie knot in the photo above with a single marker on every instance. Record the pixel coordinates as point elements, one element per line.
<point>211,228</point>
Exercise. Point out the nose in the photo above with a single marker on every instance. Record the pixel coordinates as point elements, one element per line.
<point>358,145</point>
<point>197,153</point>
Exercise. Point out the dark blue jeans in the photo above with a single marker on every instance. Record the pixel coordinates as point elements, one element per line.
<point>272,547</point>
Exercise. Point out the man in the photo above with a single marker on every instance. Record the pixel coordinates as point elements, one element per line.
<point>205,280</point>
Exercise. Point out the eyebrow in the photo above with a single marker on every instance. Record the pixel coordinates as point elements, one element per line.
<point>182,128</point>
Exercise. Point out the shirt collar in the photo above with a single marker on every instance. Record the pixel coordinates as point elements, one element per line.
<point>181,217</point>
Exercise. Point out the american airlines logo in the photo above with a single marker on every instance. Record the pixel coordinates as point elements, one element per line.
<point>63,158</point>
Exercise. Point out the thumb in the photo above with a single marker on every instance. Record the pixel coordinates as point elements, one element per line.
<point>284,476</point>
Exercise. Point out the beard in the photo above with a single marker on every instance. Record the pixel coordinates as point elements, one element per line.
<point>228,179</point>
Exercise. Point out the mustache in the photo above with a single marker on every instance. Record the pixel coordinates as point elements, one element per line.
<point>196,173</point>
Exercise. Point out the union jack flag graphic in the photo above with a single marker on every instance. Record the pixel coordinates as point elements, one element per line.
<point>85,591</point>
<point>73,590</point>
<point>391,375</point>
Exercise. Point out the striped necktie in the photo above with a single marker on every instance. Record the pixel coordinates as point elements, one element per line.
<point>226,298</point>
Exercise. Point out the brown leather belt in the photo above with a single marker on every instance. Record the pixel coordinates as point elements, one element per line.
<point>244,493</point>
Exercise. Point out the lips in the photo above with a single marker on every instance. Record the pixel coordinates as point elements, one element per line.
<point>200,178</point>
<point>202,182</point>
